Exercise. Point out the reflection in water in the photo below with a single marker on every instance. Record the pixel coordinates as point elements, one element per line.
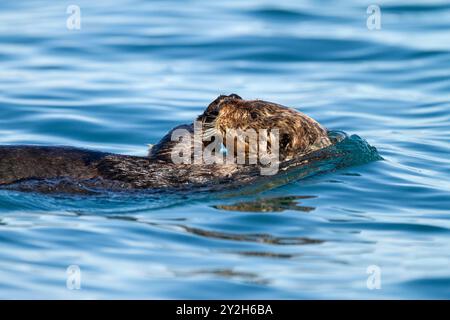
<point>265,254</point>
<point>137,69</point>
<point>260,238</point>
<point>249,277</point>
<point>277,204</point>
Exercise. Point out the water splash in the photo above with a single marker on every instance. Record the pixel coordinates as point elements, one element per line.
<point>345,151</point>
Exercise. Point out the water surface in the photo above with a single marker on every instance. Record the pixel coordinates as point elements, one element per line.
<point>137,68</point>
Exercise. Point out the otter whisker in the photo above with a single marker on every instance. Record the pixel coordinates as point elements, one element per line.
<point>210,132</point>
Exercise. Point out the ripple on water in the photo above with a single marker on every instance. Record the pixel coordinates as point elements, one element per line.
<point>136,69</point>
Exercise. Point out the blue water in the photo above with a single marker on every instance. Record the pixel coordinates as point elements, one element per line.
<point>137,68</point>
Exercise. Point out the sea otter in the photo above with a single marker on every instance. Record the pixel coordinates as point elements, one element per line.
<point>67,169</point>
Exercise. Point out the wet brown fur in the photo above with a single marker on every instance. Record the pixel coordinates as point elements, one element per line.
<point>299,134</point>
<point>72,170</point>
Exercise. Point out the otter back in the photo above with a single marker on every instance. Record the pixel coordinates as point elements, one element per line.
<point>25,162</point>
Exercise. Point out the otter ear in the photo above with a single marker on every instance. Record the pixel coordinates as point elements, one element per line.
<point>234,96</point>
<point>285,139</point>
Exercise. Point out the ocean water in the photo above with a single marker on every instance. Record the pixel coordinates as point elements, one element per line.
<point>135,69</point>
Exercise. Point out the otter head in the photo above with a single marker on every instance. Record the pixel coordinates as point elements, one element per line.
<point>298,134</point>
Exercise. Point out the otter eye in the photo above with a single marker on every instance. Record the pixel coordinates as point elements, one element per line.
<point>253,114</point>
<point>235,96</point>
<point>285,140</point>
